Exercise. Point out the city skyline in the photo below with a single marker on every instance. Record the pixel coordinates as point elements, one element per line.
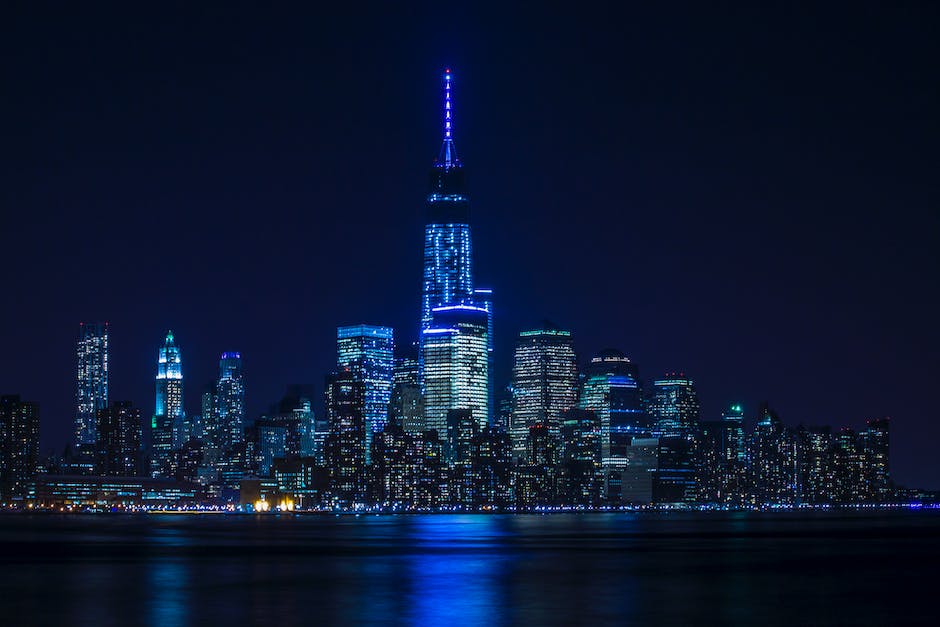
<point>420,433</point>
<point>834,327</point>
<point>406,313</point>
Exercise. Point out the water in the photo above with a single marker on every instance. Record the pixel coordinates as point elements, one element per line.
<point>644,569</point>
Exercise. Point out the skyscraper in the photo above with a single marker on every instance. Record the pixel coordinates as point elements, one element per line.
<point>167,423</point>
<point>733,444</point>
<point>19,445</point>
<point>295,412</point>
<point>544,381</point>
<point>875,444</point>
<point>448,276</point>
<point>345,448</point>
<point>611,389</point>
<point>456,365</point>
<point>674,477</point>
<point>119,441</point>
<point>815,464</point>
<point>773,462</point>
<point>92,378</point>
<point>231,400</point>
<point>455,318</point>
<point>407,404</point>
<point>212,431</point>
<point>674,407</point>
<point>368,352</point>
<point>483,297</point>
<point>580,457</point>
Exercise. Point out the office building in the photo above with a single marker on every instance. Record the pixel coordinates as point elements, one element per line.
<point>346,455</point>
<point>368,353</point>
<point>544,381</point>
<point>120,433</point>
<point>19,445</point>
<point>611,388</point>
<point>92,382</point>
<point>166,429</point>
<point>456,365</point>
<point>674,407</point>
<point>230,391</point>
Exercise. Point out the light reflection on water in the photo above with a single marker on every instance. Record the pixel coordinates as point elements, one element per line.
<point>168,580</point>
<point>454,585</point>
<point>468,569</point>
<point>169,592</point>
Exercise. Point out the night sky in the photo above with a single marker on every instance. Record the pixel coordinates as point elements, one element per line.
<point>747,195</point>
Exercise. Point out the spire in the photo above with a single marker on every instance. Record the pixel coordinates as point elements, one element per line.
<point>448,156</point>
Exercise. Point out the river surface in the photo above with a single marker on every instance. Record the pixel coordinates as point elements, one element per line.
<point>787,568</point>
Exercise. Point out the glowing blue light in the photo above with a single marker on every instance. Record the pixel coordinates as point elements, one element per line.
<point>460,307</point>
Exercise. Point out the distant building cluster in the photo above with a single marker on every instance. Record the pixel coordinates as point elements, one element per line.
<point>420,427</point>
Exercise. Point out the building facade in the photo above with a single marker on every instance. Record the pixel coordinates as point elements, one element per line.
<point>167,427</point>
<point>407,404</point>
<point>92,381</point>
<point>456,365</point>
<point>674,407</point>
<point>611,388</point>
<point>368,353</point>
<point>233,456</point>
<point>345,449</point>
<point>544,381</point>
<point>119,442</point>
<point>231,400</point>
<point>19,445</point>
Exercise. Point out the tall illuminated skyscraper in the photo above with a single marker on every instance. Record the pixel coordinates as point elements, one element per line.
<point>92,378</point>
<point>454,316</point>
<point>166,426</point>
<point>368,352</point>
<point>544,381</point>
<point>456,365</point>
<point>448,276</point>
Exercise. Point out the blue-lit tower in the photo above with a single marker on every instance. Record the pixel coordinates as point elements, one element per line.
<point>168,413</point>
<point>368,352</point>
<point>169,379</point>
<point>448,268</point>
<point>612,390</point>
<point>448,276</point>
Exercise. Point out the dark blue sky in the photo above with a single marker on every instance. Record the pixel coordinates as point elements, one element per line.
<point>749,195</point>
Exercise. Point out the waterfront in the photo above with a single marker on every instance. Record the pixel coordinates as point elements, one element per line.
<point>781,568</point>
